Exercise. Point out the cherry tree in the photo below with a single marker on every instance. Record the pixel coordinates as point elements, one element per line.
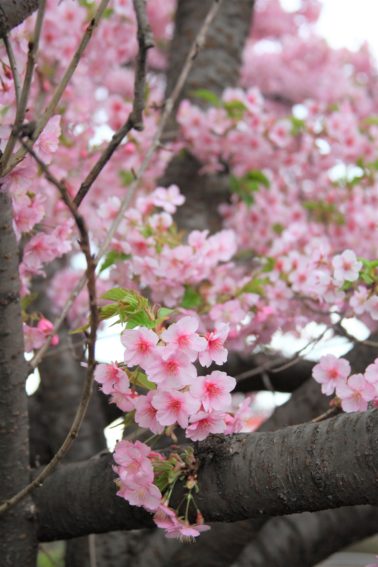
<point>203,174</point>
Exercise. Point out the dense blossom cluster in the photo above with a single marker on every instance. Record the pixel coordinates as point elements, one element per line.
<point>159,388</point>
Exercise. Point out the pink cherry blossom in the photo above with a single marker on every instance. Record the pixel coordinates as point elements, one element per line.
<point>346,266</point>
<point>203,423</point>
<point>371,375</point>
<point>168,199</point>
<point>330,372</point>
<point>184,531</point>
<point>174,407</point>
<point>133,461</point>
<point>165,517</point>
<point>214,390</point>
<point>144,494</point>
<point>182,336</point>
<point>171,370</point>
<point>109,375</point>
<point>215,351</point>
<point>145,415</point>
<point>140,346</point>
<point>355,393</point>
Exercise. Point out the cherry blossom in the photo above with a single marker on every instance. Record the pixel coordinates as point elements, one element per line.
<point>174,407</point>
<point>182,336</point>
<point>214,390</point>
<point>355,393</point>
<point>331,372</point>
<point>215,350</point>
<point>346,266</point>
<point>140,346</point>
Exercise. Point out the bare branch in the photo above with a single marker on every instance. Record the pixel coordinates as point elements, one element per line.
<point>13,66</point>
<point>135,118</point>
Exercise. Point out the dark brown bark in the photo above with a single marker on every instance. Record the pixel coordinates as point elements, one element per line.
<point>218,64</point>
<point>308,467</point>
<point>62,378</point>
<point>303,540</point>
<point>14,12</point>
<point>300,468</point>
<point>217,67</point>
<point>17,527</point>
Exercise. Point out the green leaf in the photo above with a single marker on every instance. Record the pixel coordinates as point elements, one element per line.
<point>108,311</point>
<point>235,109</point>
<point>258,176</point>
<point>79,330</point>
<point>269,264</point>
<point>207,96</point>
<point>191,298</point>
<point>256,286</point>
<point>121,294</point>
<point>248,184</point>
<point>126,176</point>
<point>140,318</point>
<point>113,257</point>
<point>144,382</point>
<point>297,125</point>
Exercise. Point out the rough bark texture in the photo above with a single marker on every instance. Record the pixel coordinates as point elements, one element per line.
<point>14,12</point>
<point>303,540</point>
<point>218,64</point>
<point>301,468</point>
<point>216,68</point>
<point>17,529</point>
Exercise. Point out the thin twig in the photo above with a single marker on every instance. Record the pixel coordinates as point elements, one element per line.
<point>91,342</point>
<point>50,109</point>
<point>327,414</point>
<point>344,333</point>
<point>13,66</point>
<point>271,366</point>
<point>135,118</point>
<point>196,46</point>
<point>25,92</point>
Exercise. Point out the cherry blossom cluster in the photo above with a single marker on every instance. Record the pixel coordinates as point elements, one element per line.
<point>159,388</point>
<point>35,337</point>
<point>355,391</point>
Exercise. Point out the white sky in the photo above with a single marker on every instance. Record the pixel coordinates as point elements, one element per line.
<point>348,23</point>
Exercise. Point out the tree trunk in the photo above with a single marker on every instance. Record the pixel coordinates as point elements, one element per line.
<point>17,527</point>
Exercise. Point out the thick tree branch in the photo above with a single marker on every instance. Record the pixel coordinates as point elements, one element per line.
<point>217,67</point>
<point>303,540</point>
<point>14,12</point>
<point>301,468</point>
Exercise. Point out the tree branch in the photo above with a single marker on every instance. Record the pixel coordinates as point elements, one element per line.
<point>302,468</point>
<point>14,12</point>
<point>168,107</point>
<point>91,341</point>
<point>17,530</point>
<point>58,93</point>
<point>135,118</point>
<point>303,540</point>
